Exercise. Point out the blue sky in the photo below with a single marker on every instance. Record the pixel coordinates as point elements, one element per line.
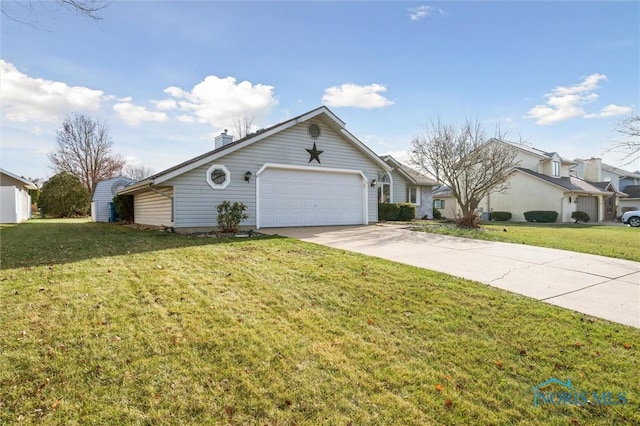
<point>168,76</point>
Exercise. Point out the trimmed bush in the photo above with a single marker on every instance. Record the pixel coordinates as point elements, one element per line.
<point>388,211</point>
<point>407,211</point>
<point>397,211</point>
<point>230,216</point>
<point>437,214</point>
<point>544,216</point>
<point>500,216</point>
<point>580,216</point>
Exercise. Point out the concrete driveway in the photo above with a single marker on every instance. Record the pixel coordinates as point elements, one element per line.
<point>595,285</point>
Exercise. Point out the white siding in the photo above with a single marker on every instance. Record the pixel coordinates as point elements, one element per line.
<point>399,188</point>
<point>151,208</point>
<point>102,195</point>
<point>15,201</point>
<point>195,201</point>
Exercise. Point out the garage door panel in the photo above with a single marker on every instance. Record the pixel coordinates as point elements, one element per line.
<point>310,198</point>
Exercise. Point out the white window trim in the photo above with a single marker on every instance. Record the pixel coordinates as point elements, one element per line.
<point>555,166</point>
<point>227,174</point>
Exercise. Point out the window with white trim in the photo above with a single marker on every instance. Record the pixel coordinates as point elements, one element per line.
<point>413,195</point>
<point>438,204</point>
<point>556,168</point>
<point>218,176</point>
<point>384,189</point>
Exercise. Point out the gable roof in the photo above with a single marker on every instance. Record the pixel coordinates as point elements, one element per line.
<point>633,191</point>
<point>413,176</point>
<point>535,151</point>
<point>330,118</point>
<point>621,172</point>
<point>27,184</point>
<point>612,169</point>
<point>442,191</point>
<point>571,183</point>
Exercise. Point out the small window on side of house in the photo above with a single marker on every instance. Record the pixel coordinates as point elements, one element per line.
<point>556,168</point>
<point>413,195</point>
<point>438,204</point>
<point>218,176</point>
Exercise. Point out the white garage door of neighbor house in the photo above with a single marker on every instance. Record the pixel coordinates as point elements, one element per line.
<point>310,198</point>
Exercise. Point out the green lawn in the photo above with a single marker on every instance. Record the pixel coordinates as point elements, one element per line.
<point>621,242</point>
<point>102,324</point>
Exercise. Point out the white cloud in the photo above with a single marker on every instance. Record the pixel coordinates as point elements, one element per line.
<point>352,95</point>
<point>565,102</point>
<point>133,115</point>
<point>166,104</point>
<point>612,110</point>
<point>220,101</point>
<point>421,12</point>
<point>26,99</point>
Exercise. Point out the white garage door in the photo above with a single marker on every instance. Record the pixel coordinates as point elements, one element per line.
<point>310,198</point>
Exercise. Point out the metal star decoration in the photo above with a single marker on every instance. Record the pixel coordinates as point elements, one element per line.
<point>314,154</point>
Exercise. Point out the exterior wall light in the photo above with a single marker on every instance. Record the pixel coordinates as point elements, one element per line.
<point>247,176</point>
<point>374,183</point>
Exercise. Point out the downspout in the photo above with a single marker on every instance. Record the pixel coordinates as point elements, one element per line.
<point>164,195</point>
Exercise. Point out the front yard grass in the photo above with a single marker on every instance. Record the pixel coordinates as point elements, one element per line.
<point>612,241</point>
<point>102,324</point>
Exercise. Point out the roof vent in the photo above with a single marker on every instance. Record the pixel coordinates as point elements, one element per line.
<point>313,130</point>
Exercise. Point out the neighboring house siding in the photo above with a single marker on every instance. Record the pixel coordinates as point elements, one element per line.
<point>628,205</point>
<point>102,196</point>
<point>450,209</point>
<point>151,208</point>
<point>525,194</point>
<point>195,201</point>
<point>15,201</point>
<point>527,161</point>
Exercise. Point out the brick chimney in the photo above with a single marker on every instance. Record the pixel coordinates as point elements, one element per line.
<point>223,139</point>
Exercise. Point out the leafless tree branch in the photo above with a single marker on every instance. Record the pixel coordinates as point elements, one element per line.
<point>465,159</point>
<point>629,128</point>
<point>84,150</point>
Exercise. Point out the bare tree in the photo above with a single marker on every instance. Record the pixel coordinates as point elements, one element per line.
<point>629,128</point>
<point>242,126</point>
<point>137,173</point>
<point>84,150</point>
<point>87,8</point>
<point>465,160</point>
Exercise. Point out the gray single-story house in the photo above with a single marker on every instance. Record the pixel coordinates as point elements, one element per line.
<point>406,185</point>
<point>15,201</point>
<point>103,194</point>
<point>306,171</point>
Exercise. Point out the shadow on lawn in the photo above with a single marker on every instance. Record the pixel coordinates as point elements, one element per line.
<point>56,242</point>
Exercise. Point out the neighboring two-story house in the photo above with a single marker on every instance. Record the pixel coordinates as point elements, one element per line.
<point>540,181</point>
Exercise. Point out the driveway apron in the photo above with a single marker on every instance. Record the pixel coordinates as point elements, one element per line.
<point>596,285</point>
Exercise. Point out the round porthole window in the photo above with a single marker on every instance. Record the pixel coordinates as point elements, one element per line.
<point>218,176</point>
<point>314,130</point>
